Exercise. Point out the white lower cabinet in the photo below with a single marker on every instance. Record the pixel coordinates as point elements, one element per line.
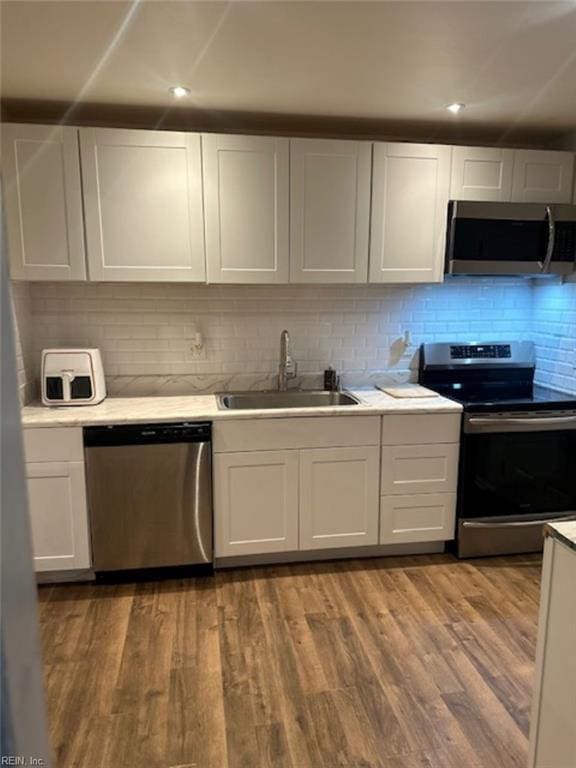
<point>338,497</point>
<point>58,515</point>
<point>283,485</point>
<point>410,469</point>
<point>255,502</point>
<point>552,734</point>
<point>57,498</point>
<point>285,500</point>
<point>418,477</point>
<point>418,518</point>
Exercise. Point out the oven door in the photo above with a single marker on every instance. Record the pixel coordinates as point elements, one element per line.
<point>517,472</point>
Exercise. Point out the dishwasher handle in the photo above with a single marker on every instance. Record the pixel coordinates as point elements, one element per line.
<point>148,434</point>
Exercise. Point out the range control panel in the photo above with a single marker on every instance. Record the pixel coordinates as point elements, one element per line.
<point>480,352</point>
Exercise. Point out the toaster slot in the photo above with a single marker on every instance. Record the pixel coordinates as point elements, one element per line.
<point>81,388</point>
<point>54,388</point>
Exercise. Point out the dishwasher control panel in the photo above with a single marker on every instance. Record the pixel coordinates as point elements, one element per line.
<point>141,434</point>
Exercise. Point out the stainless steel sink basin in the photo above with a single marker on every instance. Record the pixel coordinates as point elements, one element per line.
<point>258,400</point>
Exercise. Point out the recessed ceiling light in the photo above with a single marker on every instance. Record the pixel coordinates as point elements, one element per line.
<point>179,91</point>
<point>456,107</point>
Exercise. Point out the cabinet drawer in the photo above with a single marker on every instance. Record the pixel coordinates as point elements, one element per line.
<point>279,434</point>
<point>419,518</point>
<point>53,444</point>
<point>409,469</point>
<point>418,429</point>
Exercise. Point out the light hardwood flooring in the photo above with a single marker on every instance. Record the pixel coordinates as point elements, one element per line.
<point>413,662</point>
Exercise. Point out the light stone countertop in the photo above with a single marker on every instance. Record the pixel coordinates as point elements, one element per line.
<point>135,410</point>
<point>564,532</point>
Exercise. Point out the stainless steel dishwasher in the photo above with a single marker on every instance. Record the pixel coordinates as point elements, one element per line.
<point>149,495</point>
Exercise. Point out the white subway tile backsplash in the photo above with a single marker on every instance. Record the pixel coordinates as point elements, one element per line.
<point>25,356</point>
<point>146,330</point>
<point>554,324</point>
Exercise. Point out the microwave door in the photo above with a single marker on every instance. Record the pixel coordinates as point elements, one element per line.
<point>501,239</point>
<point>498,247</point>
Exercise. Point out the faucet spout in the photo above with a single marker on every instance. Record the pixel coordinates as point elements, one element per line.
<point>287,368</point>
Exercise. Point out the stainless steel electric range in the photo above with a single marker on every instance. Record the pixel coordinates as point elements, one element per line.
<point>518,445</point>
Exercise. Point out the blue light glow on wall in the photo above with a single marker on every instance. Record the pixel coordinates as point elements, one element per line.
<point>554,331</point>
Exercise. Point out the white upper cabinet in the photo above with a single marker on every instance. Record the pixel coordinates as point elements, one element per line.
<point>511,175</point>
<point>482,173</point>
<point>410,186</point>
<point>41,169</point>
<point>542,176</point>
<point>246,196</point>
<point>329,211</point>
<point>143,205</point>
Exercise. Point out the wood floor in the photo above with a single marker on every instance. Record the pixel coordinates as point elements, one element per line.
<point>418,662</point>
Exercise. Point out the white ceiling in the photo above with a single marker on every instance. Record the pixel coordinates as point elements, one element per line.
<point>513,63</point>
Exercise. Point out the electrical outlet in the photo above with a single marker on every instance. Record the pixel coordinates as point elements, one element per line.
<point>197,353</point>
<point>197,348</point>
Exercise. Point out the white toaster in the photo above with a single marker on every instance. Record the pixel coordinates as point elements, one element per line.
<point>72,377</point>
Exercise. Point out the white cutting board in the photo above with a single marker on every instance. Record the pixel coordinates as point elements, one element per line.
<point>407,390</point>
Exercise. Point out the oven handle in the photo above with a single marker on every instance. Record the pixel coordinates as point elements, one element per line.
<point>545,265</point>
<point>528,424</point>
<point>518,523</point>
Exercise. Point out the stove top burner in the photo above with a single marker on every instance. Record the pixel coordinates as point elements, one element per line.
<point>489,377</point>
<point>539,398</point>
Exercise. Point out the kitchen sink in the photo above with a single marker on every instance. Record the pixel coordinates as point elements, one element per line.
<point>259,400</point>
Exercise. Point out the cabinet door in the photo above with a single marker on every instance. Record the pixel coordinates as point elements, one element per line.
<point>246,206</point>
<point>410,469</point>
<point>542,176</point>
<point>329,211</point>
<point>338,497</point>
<point>255,502</point>
<point>423,517</point>
<point>58,515</point>
<point>143,205</point>
<point>482,173</point>
<point>43,202</point>
<point>409,203</point>
<point>552,737</point>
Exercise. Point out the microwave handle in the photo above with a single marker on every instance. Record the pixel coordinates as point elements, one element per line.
<point>545,265</point>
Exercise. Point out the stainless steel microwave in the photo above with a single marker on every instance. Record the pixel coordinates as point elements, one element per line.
<point>510,238</point>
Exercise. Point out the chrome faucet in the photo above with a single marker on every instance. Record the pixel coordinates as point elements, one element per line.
<point>287,368</point>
